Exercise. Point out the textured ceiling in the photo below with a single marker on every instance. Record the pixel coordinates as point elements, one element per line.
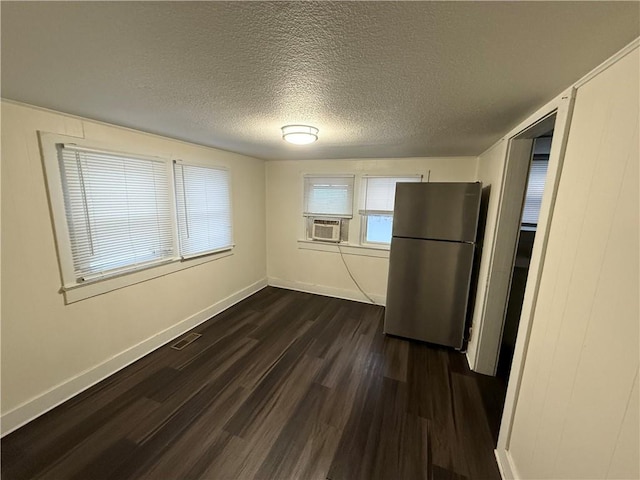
<point>379,79</point>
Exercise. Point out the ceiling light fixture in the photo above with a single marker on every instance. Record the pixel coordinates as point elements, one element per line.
<point>299,134</point>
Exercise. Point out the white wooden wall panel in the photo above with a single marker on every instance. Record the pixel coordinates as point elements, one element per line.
<point>583,354</point>
<point>609,353</point>
<point>624,463</point>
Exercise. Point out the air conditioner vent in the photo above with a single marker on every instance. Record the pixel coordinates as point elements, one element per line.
<point>180,344</point>
<point>327,230</point>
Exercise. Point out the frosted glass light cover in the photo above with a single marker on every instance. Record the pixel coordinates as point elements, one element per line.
<point>300,134</point>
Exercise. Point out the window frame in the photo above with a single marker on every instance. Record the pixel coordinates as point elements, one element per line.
<point>74,290</point>
<point>364,216</point>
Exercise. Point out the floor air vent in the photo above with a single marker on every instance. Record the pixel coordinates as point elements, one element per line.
<point>180,344</point>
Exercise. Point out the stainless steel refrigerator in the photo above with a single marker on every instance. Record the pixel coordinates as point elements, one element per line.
<point>431,260</point>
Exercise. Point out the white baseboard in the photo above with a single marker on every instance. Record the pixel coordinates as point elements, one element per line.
<point>53,397</point>
<point>354,295</point>
<point>505,465</point>
<point>471,361</point>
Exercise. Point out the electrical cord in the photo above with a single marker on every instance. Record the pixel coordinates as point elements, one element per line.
<point>352,277</point>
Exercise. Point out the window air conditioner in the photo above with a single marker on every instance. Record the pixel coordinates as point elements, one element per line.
<point>326,230</point>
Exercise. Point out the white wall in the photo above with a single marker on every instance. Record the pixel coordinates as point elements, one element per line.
<point>490,171</point>
<point>323,272</point>
<point>51,350</point>
<point>577,411</point>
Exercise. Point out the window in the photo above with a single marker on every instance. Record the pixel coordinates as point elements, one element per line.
<point>203,204</point>
<point>118,211</point>
<point>328,196</point>
<point>378,200</point>
<point>116,214</point>
<point>535,189</point>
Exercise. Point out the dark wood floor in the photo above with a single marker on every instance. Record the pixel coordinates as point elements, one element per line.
<point>283,385</point>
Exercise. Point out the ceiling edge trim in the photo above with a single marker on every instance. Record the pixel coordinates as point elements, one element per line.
<point>608,62</point>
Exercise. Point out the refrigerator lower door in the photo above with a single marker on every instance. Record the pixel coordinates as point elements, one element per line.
<point>428,290</point>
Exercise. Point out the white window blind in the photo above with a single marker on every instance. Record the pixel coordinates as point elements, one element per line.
<point>379,200</point>
<point>535,189</point>
<point>380,192</point>
<point>118,211</point>
<point>328,196</point>
<point>203,203</point>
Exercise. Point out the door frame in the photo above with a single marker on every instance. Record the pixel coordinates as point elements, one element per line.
<point>492,317</point>
<point>504,241</point>
<point>501,257</point>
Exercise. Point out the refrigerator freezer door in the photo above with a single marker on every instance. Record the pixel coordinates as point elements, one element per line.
<point>441,211</point>
<point>428,290</point>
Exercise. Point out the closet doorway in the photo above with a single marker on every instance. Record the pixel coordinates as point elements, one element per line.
<point>528,224</point>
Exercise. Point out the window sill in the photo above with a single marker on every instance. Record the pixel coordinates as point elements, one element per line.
<point>78,292</point>
<point>346,248</point>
